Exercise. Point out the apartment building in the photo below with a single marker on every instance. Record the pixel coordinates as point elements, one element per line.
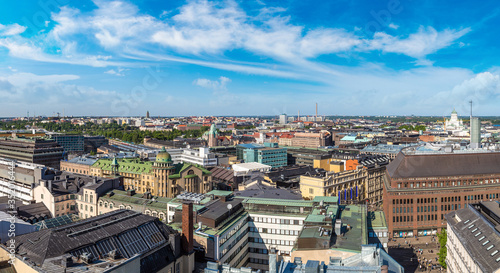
<point>69,193</point>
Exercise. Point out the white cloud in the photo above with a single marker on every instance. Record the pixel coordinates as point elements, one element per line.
<point>117,72</point>
<point>27,89</point>
<point>393,26</point>
<point>418,45</point>
<point>219,84</point>
<point>483,89</point>
<point>11,30</point>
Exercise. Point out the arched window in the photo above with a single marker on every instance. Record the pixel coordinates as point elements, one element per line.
<point>122,206</point>
<point>190,172</point>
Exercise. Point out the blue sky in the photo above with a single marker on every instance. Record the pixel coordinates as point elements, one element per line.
<point>352,57</point>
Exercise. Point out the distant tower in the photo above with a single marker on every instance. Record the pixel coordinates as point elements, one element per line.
<point>212,136</point>
<point>316,118</point>
<point>147,114</point>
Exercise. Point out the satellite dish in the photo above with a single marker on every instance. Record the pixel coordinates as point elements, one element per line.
<point>229,206</point>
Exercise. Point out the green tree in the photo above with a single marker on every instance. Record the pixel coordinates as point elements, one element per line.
<point>442,237</point>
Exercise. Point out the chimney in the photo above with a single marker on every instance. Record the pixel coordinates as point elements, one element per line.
<point>65,183</point>
<point>384,269</point>
<point>49,185</point>
<point>187,227</point>
<point>338,227</point>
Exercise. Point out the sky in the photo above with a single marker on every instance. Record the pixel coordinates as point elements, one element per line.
<point>177,58</point>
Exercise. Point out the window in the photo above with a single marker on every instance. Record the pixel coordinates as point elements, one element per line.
<point>42,195</point>
<point>311,191</point>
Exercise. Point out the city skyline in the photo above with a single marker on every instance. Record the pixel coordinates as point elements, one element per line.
<point>236,58</point>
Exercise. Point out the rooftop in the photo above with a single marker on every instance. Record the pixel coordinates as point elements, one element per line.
<point>479,233</point>
<point>450,164</point>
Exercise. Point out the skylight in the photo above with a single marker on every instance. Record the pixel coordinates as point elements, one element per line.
<point>487,241</point>
<point>477,234</point>
<point>494,252</point>
<point>490,247</point>
<point>471,226</point>
<point>482,237</point>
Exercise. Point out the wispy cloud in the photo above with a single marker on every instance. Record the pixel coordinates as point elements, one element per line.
<point>117,72</point>
<point>10,30</point>
<point>219,84</point>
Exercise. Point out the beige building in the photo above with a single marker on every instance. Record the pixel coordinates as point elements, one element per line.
<point>69,193</point>
<point>310,140</point>
<point>347,185</point>
<point>79,165</point>
<point>160,178</point>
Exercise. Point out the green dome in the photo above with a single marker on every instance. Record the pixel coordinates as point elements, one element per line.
<point>163,156</point>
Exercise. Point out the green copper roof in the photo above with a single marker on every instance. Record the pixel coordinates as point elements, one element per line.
<point>454,112</point>
<point>125,165</point>
<point>163,156</point>
<point>212,131</point>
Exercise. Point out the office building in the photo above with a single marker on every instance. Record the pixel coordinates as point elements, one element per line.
<point>475,133</point>
<point>421,186</point>
<point>371,260</point>
<point>26,177</point>
<point>349,186</point>
<point>91,143</point>
<point>70,143</point>
<point>312,140</point>
<point>274,157</point>
<point>32,150</point>
<point>473,239</point>
<point>283,119</point>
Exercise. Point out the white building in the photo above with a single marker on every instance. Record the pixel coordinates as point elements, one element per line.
<point>26,177</point>
<point>473,243</point>
<point>201,156</point>
<point>248,168</point>
<point>283,119</point>
<point>454,124</point>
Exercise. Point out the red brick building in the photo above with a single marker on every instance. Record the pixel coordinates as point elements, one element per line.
<point>419,189</point>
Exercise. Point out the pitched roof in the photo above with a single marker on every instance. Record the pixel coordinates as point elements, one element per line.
<point>452,164</point>
<point>85,236</point>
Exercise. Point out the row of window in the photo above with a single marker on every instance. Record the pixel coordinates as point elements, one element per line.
<point>403,219</point>
<point>447,184</point>
<point>274,231</point>
<point>270,241</point>
<point>277,221</point>
<point>444,199</point>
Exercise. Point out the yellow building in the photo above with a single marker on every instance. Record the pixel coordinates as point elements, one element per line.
<point>160,178</point>
<point>347,185</point>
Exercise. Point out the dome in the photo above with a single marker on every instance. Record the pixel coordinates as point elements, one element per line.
<point>163,156</point>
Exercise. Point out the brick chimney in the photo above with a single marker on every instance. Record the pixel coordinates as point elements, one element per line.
<point>187,227</point>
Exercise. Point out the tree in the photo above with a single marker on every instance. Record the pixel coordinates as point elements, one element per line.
<point>443,237</point>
